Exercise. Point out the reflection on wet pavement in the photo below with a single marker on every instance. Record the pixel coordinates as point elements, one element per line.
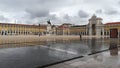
<point>107,59</point>
<point>37,54</point>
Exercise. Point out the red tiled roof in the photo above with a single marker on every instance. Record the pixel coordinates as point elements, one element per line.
<point>110,23</point>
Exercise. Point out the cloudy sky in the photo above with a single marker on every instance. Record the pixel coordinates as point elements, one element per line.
<point>58,11</point>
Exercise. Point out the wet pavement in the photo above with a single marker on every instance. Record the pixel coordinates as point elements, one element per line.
<point>38,54</point>
<point>107,59</point>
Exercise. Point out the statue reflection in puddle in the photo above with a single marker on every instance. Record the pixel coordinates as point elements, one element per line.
<point>113,49</point>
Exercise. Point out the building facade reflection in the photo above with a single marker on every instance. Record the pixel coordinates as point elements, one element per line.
<point>94,45</point>
<point>113,48</point>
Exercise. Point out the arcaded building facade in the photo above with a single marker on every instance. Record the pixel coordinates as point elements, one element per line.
<point>95,27</point>
<point>21,29</point>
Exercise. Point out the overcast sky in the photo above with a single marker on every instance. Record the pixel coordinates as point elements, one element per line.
<point>58,11</point>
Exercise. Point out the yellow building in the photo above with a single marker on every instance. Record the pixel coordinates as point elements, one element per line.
<point>21,29</point>
<point>95,27</point>
<point>111,25</point>
<point>78,29</point>
<point>63,29</point>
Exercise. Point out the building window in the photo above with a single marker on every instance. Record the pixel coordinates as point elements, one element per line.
<point>105,33</point>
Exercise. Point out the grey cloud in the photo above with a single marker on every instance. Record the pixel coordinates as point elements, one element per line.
<point>97,2</point>
<point>34,9</point>
<point>23,4</point>
<point>82,14</point>
<point>119,2</point>
<point>111,12</point>
<point>39,10</point>
<point>52,17</point>
<point>50,1</point>
<point>67,17</point>
<point>34,13</point>
<point>43,20</point>
<point>99,11</point>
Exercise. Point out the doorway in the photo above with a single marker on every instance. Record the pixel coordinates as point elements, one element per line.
<point>114,33</point>
<point>93,29</point>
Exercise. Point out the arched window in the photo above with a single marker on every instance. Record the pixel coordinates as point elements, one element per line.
<point>104,33</point>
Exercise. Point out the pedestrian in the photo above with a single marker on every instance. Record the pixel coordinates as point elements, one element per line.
<point>80,36</point>
<point>39,34</point>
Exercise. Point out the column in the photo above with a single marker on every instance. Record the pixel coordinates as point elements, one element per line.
<point>103,32</point>
<point>86,32</point>
<point>90,31</point>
